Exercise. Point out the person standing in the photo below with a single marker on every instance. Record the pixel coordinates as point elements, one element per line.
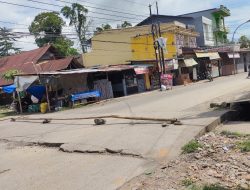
<point>248,71</point>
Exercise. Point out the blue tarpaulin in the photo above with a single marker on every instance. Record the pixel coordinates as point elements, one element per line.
<point>37,91</point>
<point>9,89</point>
<point>85,95</point>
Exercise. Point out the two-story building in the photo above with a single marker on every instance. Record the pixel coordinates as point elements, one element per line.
<point>135,45</point>
<point>210,24</point>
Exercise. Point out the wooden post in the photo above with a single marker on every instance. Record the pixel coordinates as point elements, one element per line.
<point>47,95</point>
<point>20,103</point>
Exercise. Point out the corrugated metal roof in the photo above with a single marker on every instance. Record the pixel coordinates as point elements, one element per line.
<point>27,63</point>
<point>211,55</point>
<point>55,65</point>
<point>83,70</point>
<point>115,68</point>
<point>64,72</point>
<point>24,57</point>
<point>23,62</point>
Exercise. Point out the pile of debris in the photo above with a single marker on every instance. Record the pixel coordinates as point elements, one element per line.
<point>219,160</point>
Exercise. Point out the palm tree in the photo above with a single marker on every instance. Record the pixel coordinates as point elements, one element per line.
<point>77,17</point>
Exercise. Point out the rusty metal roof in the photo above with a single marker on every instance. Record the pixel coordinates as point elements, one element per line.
<point>16,61</point>
<point>115,68</point>
<point>54,65</point>
<point>28,63</point>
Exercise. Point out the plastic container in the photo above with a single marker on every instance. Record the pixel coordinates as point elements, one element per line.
<point>43,107</point>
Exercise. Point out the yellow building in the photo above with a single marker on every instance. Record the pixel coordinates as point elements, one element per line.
<point>121,46</point>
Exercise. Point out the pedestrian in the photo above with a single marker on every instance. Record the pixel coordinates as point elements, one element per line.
<point>248,71</point>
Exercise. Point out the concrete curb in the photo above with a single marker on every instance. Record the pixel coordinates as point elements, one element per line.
<point>213,125</point>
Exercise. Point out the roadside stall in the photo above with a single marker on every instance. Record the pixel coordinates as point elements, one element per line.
<point>53,90</point>
<point>187,71</point>
<point>208,59</point>
<point>227,66</point>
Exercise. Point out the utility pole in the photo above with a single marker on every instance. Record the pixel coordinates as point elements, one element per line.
<point>162,52</point>
<point>157,8</point>
<point>154,30</point>
<point>150,9</point>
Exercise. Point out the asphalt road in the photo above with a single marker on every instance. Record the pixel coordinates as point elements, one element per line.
<point>91,157</point>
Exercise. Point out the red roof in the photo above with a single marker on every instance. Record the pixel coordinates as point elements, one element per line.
<point>16,61</point>
<point>54,65</point>
<point>28,63</point>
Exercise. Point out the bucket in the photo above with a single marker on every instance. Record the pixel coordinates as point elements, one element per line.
<point>44,107</point>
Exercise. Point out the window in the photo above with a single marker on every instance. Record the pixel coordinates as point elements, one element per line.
<point>208,33</point>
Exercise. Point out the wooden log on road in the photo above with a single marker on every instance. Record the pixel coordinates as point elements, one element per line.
<point>173,120</point>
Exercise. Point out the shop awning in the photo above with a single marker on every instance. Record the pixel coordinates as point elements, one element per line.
<point>187,63</point>
<point>210,55</point>
<point>23,82</point>
<point>141,70</point>
<point>9,89</point>
<point>190,62</point>
<point>233,55</point>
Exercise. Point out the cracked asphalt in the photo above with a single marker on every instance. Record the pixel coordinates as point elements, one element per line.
<point>76,154</point>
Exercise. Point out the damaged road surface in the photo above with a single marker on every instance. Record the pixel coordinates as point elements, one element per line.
<point>35,167</point>
<point>79,155</point>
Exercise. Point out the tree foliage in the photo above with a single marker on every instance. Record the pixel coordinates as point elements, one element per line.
<point>7,40</point>
<point>103,27</point>
<point>64,47</point>
<point>77,15</point>
<point>244,42</point>
<point>47,28</point>
<point>126,24</point>
<point>10,74</point>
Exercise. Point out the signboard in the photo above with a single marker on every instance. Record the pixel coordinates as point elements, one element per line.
<point>141,70</point>
<point>167,80</point>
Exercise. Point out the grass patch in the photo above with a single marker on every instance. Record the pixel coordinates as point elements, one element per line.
<point>187,182</point>
<point>6,114</point>
<point>191,147</point>
<point>5,111</point>
<point>233,134</point>
<point>244,146</point>
<point>214,187</point>
<point>195,187</point>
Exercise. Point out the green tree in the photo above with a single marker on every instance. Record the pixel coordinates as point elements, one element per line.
<point>10,74</point>
<point>77,15</point>
<point>103,27</point>
<point>7,40</point>
<point>126,24</point>
<point>47,28</point>
<point>244,42</point>
<point>64,47</point>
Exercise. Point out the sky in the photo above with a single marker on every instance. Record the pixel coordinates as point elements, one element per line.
<point>115,12</point>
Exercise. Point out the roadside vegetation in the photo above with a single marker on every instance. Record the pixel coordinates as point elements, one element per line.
<point>5,111</point>
<point>244,146</point>
<point>191,147</point>
<point>234,134</point>
<point>209,187</point>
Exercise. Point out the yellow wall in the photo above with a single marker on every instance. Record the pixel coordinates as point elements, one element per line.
<point>109,52</point>
<point>142,51</point>
<point>120,46</point>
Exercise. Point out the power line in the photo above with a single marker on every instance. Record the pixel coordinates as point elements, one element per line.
<point>104,9</point>
<point>37,8</point>
<point>134,2</point>
<point>101,6</point>
<point>51,4</point>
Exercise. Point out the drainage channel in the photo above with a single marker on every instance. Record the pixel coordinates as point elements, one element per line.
<point>240,111</point>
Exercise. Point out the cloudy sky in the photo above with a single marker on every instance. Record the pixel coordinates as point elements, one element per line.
<point>114,12</point>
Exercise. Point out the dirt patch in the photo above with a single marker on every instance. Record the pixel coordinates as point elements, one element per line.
<point>220,163</point>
